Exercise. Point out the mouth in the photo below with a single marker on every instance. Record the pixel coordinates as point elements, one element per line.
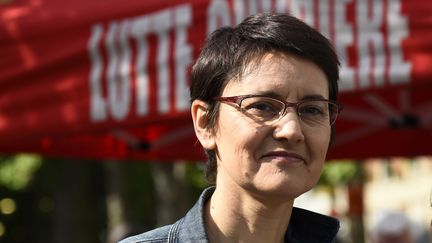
<point>284,157</point>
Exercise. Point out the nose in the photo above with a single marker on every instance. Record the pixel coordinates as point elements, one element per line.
<point>289,127</point>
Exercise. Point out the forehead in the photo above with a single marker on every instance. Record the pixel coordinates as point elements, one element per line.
<point>289,76</point>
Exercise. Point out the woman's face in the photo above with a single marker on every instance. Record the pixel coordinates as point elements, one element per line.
<point>284,159</point>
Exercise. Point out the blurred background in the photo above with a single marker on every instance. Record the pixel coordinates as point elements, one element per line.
<point>96,140</point>
<point>57,200</point>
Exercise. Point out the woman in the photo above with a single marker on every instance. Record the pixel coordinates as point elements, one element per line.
<point>263,107</point>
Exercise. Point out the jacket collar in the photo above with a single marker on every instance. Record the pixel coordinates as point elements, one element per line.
<point>304,226</point>
<point>191,228</point>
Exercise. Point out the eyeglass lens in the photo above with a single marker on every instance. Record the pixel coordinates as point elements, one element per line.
<point>269,110</point>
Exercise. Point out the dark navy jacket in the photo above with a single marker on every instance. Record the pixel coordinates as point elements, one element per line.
<point>304,227</point>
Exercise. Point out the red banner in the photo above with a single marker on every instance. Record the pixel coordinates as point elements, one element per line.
<point>106,79</point>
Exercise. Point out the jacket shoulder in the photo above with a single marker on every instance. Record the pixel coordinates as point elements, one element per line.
<point>157,235</point>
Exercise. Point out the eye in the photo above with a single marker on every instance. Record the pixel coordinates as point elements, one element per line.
<point>313,109</point>
<point>262,107</point>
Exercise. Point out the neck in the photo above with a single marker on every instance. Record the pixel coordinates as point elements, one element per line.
<point>237,216</point>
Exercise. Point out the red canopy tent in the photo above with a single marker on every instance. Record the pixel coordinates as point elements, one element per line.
<point>109,79</point>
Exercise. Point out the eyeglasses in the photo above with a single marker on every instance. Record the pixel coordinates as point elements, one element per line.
<point>267,110</point>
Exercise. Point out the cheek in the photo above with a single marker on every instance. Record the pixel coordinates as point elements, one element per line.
<point>317,147</point>
<point>237,140</point>
<point>320,144</point>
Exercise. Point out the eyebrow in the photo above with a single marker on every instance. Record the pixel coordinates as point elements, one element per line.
<point>275,95</point>
<point>270,94</point>
<point>313,97</point>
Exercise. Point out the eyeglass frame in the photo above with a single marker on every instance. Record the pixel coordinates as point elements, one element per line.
<point>239,98</point>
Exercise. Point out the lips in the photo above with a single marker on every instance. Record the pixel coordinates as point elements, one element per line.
<point>284,156</point>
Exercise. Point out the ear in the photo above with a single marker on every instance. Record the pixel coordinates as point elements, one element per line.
<point>199,110</point>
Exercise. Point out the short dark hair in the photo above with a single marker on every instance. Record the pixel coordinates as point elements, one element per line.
<point>229,50</point>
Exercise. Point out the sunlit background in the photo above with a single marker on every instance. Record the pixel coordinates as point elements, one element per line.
<point>42,200</point>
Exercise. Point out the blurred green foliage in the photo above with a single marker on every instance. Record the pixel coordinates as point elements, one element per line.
<point>340,172</point>
<point>17,171</point>
<point>195,175</point>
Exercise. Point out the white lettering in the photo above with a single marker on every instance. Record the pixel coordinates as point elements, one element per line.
<point>370,43</point>
<point>343,39</point>
<point>140,28</point>
<point>97,102</point>
<point>377,60</point>
<point>239,10</point>
<point>303,9</point>
<point>281,6</point>
<point>118,70</point>
<point>266,5</point>
<point>398,30</point>
<point>253,7</point>
<point>162,24</point>
<point>324,18</point>
<point>218,15</point>
<point>170,27</point>
<point>245,8</point>
<point>183,56</point>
